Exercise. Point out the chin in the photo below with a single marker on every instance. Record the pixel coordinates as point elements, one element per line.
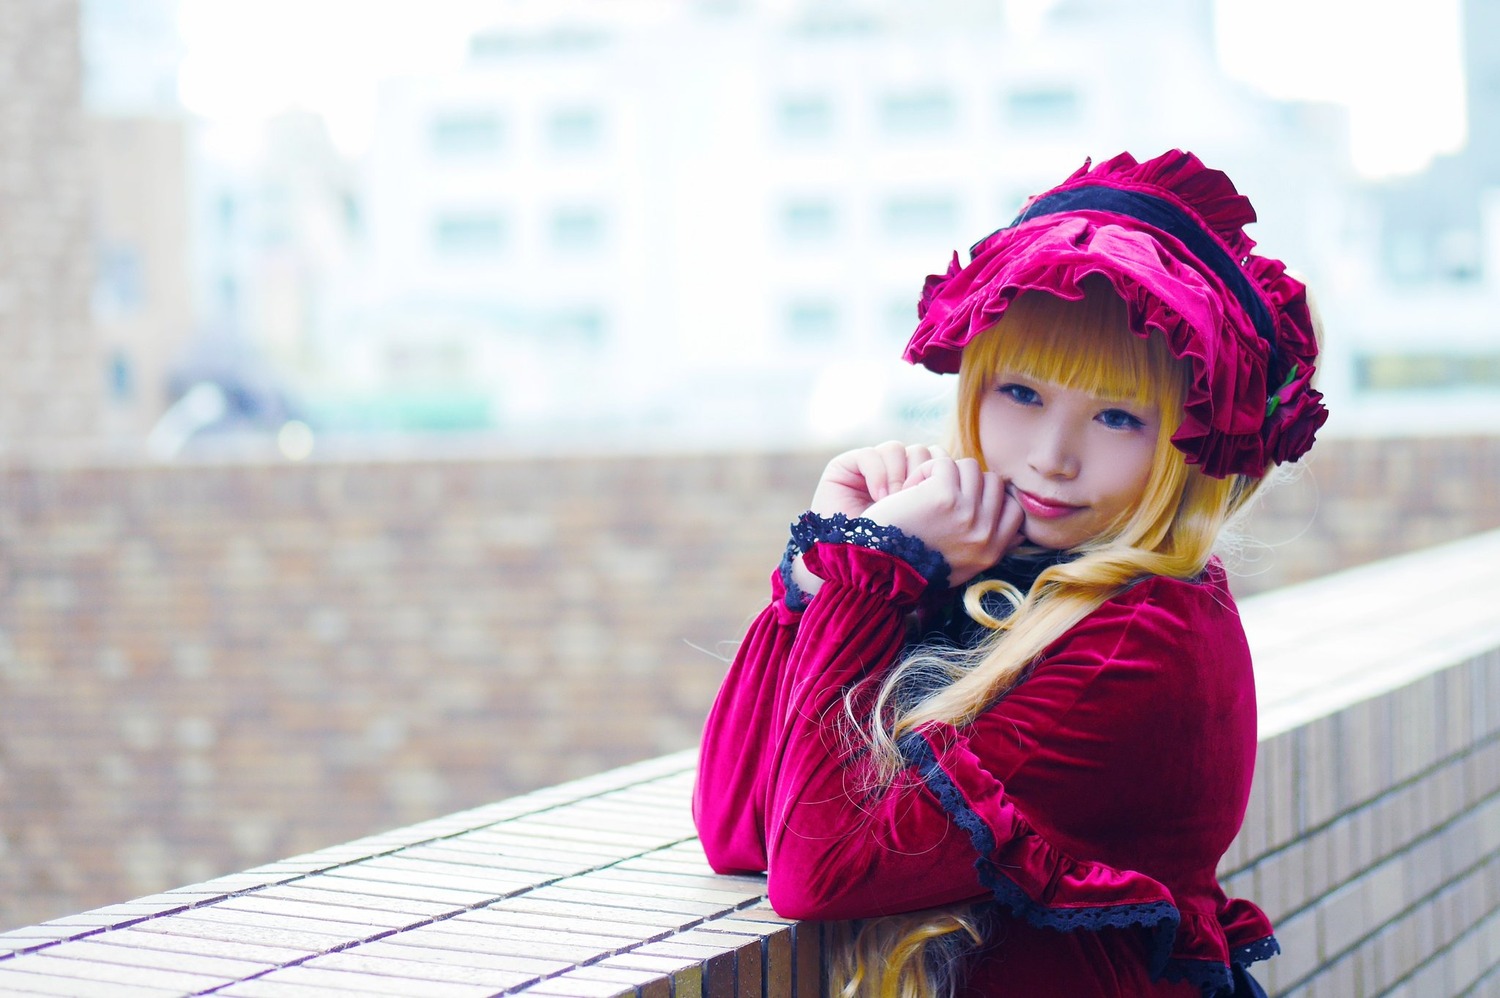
<point>1052,539</point>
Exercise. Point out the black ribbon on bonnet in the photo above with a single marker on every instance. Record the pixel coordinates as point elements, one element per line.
<point>1161,214</point>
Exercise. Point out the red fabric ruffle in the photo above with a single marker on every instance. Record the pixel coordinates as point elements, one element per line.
<point>1061,892</point>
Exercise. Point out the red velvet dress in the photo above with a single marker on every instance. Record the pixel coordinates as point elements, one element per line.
<point>1091,804</point>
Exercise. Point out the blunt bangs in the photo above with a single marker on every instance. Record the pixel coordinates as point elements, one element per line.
<point>1085,345</point>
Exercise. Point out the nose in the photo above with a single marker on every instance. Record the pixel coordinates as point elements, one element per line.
<point>1054,454</point>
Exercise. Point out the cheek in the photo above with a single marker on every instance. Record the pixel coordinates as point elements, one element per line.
<point>997,438</point>
<point>1129,468</point>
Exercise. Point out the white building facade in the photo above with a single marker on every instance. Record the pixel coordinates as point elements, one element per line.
<point>711,222</point>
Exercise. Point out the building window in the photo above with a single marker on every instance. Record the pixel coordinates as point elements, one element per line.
<point>226,210</point>
<point>833,23</point>
<point>466,133</point>
<point>901,317</point>
<point>920,216</point>
<point>498,46</point>
<point>577,230</point>
<point>919,112</point>
<point>121,377</point>
<point>805,117</point>
<point>582,326</point>
<point>229,293</point>
<point>812,320</point>
<point>119,280</point>
<point>1047,107</point>
<point>575,129</point>
<point>439,363</point>
<point>1417,371</point>
<point>808,220</point>
<point>468,233</point>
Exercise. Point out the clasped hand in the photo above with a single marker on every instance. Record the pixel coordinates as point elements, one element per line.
<point>952,506</point>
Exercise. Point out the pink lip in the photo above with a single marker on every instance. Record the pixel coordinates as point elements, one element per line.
<point>1043,509</point>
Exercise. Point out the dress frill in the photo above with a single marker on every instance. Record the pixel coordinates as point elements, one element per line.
<point>1200,320</point>
<point>1035,880</point>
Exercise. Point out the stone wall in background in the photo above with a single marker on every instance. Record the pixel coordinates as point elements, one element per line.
<point>206,667</point>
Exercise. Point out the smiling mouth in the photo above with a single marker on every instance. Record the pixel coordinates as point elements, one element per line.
<point>1043,509</point>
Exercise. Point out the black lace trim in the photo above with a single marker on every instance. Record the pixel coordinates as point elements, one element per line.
<point>796,598</point>
<point>810,528</point>
<point>1213,979</point>
<point>1261,949</point>
<point>1159,918</point>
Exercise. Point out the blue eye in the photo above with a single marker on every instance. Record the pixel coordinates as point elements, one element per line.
<point>1020,394</point>
<point>1119,419</point>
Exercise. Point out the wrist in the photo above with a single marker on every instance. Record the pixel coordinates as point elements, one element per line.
<point>810,529</point>
<point>800,584</point>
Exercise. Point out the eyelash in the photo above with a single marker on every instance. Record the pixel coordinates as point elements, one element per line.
<point>1129,422</point>
<point>1019,393</point>
<point>1118,419</point>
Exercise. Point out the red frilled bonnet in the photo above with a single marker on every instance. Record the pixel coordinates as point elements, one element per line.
<point>1169,236</point>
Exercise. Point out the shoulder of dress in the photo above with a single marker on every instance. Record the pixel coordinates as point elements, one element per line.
<point>1207,592</point>
<point>1158,618</point>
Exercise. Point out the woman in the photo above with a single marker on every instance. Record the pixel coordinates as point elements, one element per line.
<point>1010,684</point>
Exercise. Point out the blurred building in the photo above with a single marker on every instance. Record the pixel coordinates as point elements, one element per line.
<point>137,174</point>
<point>686,222</point>
<point>1422,326</point>
<point>141,301</point>
<point>277,236</point>
<point>1434,224</point>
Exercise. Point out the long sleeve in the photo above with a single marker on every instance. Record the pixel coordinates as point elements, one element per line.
<point>730,796</point>
<point>777,785</point>
<point>792,666</point>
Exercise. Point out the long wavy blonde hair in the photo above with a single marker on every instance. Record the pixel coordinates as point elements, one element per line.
<point>1171,531</point>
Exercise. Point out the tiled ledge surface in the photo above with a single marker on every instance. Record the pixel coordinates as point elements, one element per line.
<point>1331,642</point>
<point>592,888</point>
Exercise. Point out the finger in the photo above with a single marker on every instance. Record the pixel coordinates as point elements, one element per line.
<point>871,469</point>
<point>920,474</point>
<point>1012,518</point>
<point>944,472</point>
<point>970,482</point>
<point>994,508</point>
<point>916,456</point>
<point>887,470</point>
<point>844,470</point>
<point>991,500</point>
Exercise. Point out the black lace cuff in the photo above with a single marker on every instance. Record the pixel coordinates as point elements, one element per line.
<point>810,528</point>
<point>796,598</point>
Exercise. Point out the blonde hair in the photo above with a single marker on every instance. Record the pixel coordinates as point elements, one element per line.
<point>1170,531</point>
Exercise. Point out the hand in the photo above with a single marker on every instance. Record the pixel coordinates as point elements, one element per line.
<point>956,509</point>
<point>857,479</point>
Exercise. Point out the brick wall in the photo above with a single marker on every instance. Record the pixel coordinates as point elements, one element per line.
<point>204,667</point>
<point>1372,837</point>
<point>1383,876</point>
